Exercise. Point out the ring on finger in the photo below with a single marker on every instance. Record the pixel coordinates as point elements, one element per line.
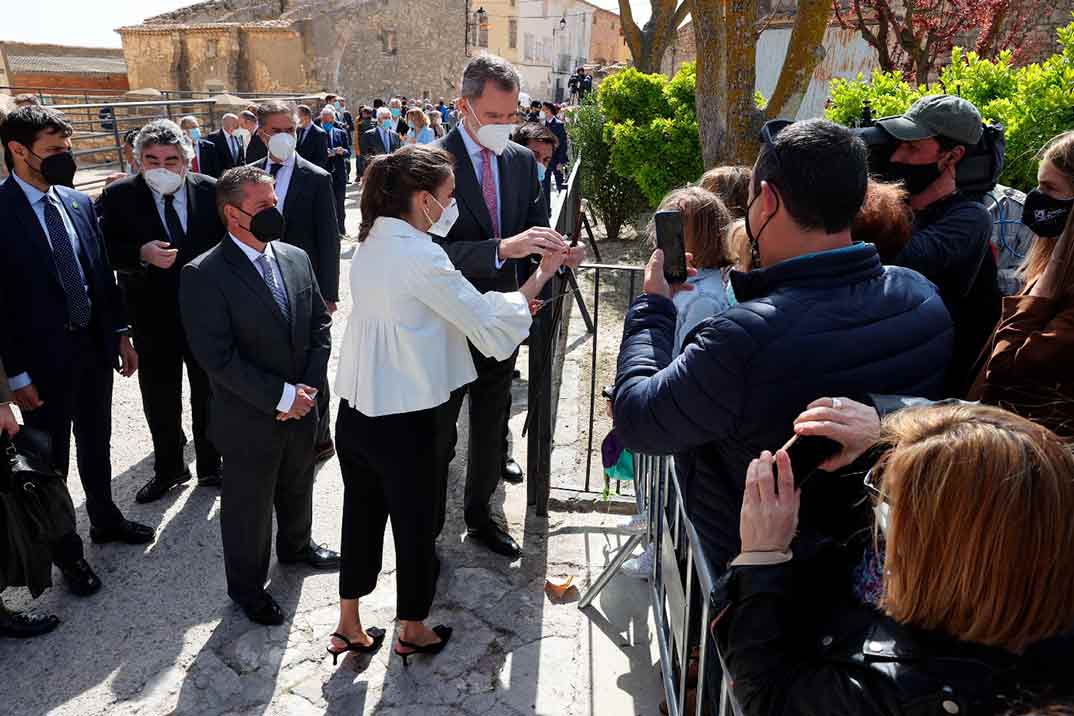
<point>836,403</point>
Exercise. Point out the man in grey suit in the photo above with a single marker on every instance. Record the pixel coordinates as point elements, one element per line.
<point>257,324</point>
<point>502,222</point>
<point>380,139</point>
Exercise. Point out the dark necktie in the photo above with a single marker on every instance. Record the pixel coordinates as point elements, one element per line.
<point>301,134</point>
<point>171,220</point>
<point>274,169</point>
<point>63,253</point>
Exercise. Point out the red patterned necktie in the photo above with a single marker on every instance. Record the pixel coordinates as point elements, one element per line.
<point>194,164</point>
<point>488,189</point>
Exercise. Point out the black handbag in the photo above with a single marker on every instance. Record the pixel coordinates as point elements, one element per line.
<point>35,511</point>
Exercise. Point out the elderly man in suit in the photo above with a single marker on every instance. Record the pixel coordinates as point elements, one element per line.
<point>502,220</point>
<point>257,323</point>
<point>312,140</point>
<point>205,159</point>
<point>306,199</point>
<point>339,152</point>
<point>381,138</point>
<point>154,223</point>
<point>229,148</point>
<point>63,328</point>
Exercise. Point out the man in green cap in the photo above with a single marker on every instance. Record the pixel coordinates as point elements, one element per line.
<point>950,240</point>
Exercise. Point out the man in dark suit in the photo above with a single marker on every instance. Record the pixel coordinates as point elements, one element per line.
<point>339,151</point>
<point>540,140</point>
<point>555,124</point>
<point>381,139</point>
<point>255,148</point>
<point>62,328</point>
<point>312,140</point>
<point>153,225</point>
<point>205,160</point>
<point>306,198</point>
<point>502,220</point>
<point>258,325</point>
<point>229,148</point>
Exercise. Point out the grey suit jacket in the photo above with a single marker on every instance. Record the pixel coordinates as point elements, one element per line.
<point>5,392</point>
<point>470,244</point>
<point>246,346</point>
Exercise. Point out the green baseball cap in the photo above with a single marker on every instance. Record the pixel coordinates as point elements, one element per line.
<point>942,115</point>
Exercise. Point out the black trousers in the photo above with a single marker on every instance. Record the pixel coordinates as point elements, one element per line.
<point>340,192</point>
<point>390,469</point>
<point>162,352</point>
<point>260,475</point>
<point>490,406</point>
<point>80,398</point>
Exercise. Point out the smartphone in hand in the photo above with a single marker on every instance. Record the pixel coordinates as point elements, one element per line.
<point>669,239</point>
<point>807,452</point>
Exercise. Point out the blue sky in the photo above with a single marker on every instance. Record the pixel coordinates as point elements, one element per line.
<point>92,23</point>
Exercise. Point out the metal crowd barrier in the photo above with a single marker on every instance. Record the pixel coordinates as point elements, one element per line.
<point>680,585</point>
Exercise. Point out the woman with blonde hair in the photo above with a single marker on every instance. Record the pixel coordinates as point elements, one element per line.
<point>436,123</point>
<point>419,132</point>
<point>973,506</point>
<point>1027,364</point>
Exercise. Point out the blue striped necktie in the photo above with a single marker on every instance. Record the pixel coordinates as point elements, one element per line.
<point>63,253</point>
<point>277,291</point>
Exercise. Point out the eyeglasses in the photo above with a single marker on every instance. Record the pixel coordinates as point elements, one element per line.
<point>769,131</point>
<point>874,481</point>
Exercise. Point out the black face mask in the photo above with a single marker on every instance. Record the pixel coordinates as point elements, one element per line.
<point>1045,215</point>
<point>755,244</point>
<point>266,225</point>
<point>58,169</point>
<point>916,177</point>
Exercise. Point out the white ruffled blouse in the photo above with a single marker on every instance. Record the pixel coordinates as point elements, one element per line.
<point>405,346</point>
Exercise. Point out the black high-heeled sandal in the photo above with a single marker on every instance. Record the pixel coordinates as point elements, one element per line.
<point>375,633</point>
<point>444,632</point>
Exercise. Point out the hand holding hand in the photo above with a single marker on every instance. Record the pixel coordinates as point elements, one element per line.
<point>331,306</point>
<point>769,519</point>
<point>575,256</point>
<point>8,423</point>
<point>157,253</point>
<point>27,399</point>
<point>656,284</point>
<point>853,425</point>
<point>552,260</point>
<point>128,357</point>
<point>535,240</point>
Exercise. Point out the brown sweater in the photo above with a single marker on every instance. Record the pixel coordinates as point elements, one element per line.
<point>1030,366</point>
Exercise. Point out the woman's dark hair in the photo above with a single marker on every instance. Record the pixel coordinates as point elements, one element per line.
<point>391,180</point>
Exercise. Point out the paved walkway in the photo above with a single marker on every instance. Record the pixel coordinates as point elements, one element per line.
<point>162,638</point>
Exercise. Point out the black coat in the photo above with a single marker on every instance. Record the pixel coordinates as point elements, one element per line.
<point>313,145</point>
<point>246,346</point>
<point>256,150</point>
<point>471,244</point>
<point>370,143</point>
<point>223,153</point>
<point>556,126</point>
<point>129,219</point>
<point>790,649</point>
<point>338,166</point>
<point>208,159</point>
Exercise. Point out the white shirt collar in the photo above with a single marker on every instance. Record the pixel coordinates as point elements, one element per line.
<point>252,253</point>
<point>33,194</point>
<point>472,147</point>
<point>285,165</point>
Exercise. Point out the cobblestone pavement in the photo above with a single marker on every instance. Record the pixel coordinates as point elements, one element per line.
<point>161,637</point>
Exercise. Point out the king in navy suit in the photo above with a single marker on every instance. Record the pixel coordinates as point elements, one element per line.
<point>62,323</point>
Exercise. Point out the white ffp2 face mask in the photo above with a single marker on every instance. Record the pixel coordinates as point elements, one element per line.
<point>282,146</point>
<point>493,137</point>
<point>163,181</point>
<point>442,226</point>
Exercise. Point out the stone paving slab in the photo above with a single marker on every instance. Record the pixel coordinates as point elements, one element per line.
<point>162,638</point>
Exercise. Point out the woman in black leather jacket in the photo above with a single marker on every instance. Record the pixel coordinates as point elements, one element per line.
<point>974,510</point>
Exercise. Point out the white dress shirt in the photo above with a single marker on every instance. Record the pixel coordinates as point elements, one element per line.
<point>289,390</point>
<point>283,178</point>
<point>405,346</point>
<point>180,207</point>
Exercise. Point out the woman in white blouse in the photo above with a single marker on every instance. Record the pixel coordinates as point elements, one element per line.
<point>404,352</point>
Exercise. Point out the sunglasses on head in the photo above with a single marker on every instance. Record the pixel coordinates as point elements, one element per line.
<point>769,131</point>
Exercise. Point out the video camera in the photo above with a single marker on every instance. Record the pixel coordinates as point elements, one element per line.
<point>978,172</point>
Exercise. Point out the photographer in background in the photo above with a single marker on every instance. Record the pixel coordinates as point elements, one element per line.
<point>950,240</point>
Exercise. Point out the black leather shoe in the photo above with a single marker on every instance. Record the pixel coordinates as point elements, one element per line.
<point>496,539</point>
<point>155,488</point>
<point>125,531</point>
<point>325,451</point>
<point>214,480</point>
<point>80,578</point>
<point>263,610</point>
<point>512,471</point>
<point>19,625</point>
<point>317,556</point>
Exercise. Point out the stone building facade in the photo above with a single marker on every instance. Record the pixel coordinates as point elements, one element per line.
<point>362,49</point>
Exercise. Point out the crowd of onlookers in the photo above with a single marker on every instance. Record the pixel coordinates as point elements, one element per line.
<point>925,562</point>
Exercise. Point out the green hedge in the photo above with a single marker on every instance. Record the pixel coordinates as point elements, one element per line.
<point>1034,103</point>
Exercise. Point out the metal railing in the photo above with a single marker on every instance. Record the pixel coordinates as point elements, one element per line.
<point>680,585</point>
<point>50,95</point>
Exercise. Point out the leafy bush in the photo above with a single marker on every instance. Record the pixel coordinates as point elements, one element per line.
<point>615,198</point>
<point>1034,103</point>
<point>652,129</point>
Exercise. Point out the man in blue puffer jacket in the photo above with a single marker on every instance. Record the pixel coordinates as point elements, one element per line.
<point>821,316</point>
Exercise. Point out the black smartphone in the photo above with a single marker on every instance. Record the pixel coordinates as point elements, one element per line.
<point>669,240</point>
<point>807,452</point>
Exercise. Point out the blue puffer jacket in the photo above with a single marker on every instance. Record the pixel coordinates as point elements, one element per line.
<point>834,323</point>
